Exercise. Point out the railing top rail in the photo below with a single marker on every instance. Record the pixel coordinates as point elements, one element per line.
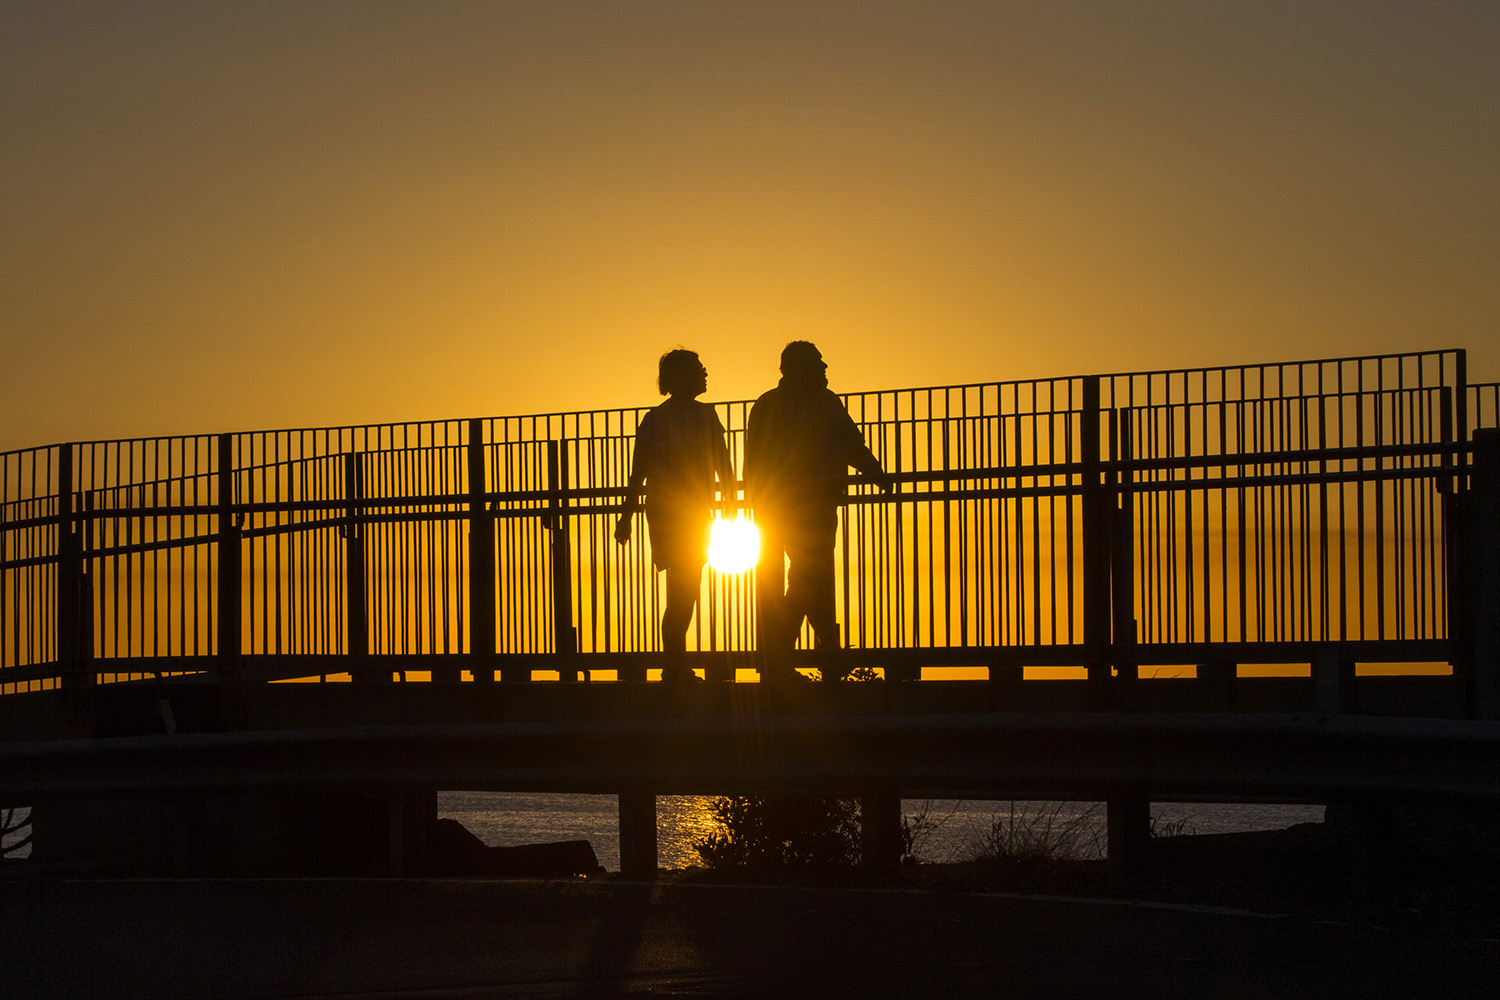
<point>260,449</point>
<point>458,422</point>
<point>1456,352</point>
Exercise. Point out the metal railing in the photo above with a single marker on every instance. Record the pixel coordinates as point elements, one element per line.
<point>1080,519</point>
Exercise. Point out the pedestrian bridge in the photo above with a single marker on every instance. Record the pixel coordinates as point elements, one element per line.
<point>1299,537</point>
<point>1271,513</point>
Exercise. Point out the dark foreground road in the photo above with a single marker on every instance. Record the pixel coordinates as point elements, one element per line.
<point>440,939</point>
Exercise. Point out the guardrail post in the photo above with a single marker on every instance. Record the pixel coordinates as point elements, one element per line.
<point>228,580</point>
<point>564,639</point>
<point>357,624</point>
<point>481,565</point>
<point>1482,595</point>
<point>1095,516</point>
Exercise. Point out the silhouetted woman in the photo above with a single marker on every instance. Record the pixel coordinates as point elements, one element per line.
<point>679,448</point>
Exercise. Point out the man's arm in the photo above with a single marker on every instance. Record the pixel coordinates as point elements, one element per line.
<point>755,445</point>
<point>856,452</point>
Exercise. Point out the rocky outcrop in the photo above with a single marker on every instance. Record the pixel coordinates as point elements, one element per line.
<point>453,851</point>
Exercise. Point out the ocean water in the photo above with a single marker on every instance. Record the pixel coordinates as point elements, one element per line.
<point>948,829</point>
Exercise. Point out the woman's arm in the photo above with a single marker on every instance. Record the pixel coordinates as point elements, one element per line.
<point>723,465</point>
<point>638,470</point>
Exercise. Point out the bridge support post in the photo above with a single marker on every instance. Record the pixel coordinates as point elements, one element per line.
<point>395,838</point>
<point>1365,828</point>
<point>1128,828</point>
<point>410,814</point>
<point>880,830</point>
<point>638,834</point>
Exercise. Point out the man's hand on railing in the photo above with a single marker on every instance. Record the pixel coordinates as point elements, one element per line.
<point>623,526</point>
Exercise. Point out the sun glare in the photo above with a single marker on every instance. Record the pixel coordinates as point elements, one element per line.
<point>733,545</point>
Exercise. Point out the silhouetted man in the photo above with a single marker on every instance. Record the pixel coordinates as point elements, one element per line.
<point>679,448</point>
<point>799,445</point>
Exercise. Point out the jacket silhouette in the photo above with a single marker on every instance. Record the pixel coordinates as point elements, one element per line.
<point>799,445</point>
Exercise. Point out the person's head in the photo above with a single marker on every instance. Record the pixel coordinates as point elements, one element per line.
<point>681,373</point>
<point>802,362</point>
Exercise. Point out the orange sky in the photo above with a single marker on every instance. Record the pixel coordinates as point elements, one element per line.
<point>272,214</point>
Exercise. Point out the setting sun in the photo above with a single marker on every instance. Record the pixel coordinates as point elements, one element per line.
<point>733,545</point>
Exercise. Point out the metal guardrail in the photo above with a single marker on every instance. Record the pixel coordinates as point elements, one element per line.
<point>1290,503</point>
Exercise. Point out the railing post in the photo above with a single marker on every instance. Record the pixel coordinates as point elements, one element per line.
<point>228,581</point>
<point>1482,595</point>
<point>1460,415</point>
<point>5,640</point>
<point>357,625</point>
<point>1123,633</point>
<point>1448,483</point>
<point>481,564</point>
<point>1096,556</point>
<point>564,640</point>
<point>71,638</point>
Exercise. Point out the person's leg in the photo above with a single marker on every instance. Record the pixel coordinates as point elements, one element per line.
<point>770,590</point>
<point>813,586</point>
<point>683,584</point>
<point>774,636</point>
<point>821,608</point>
<point>810,579</point>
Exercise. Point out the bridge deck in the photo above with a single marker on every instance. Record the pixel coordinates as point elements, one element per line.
<point>954,737</point>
